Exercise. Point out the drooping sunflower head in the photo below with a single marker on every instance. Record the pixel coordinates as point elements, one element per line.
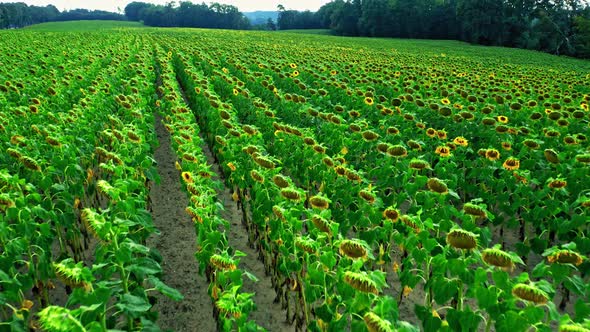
<point>530,293</point>
<point>281,181</point>
<point>397,151</point>
<point>551,156</point>
<point>367,195</point>
<point>306,244</point>
<point>74,274</point>
<point>290,194</point>
<point>375,323</point>
<point>462,239</point>
<point>369,135</point>
<point>319,202</point>
<point>572,328</point>
<point>557,184</point>
<point>498,258</point>
<point>565,256</point>
<point>583,158</point>
<point>361,282</point>
<point>438,186</point>
<point>354,249</point>
<point>222,262</point>
<point>474,210</point>
<point>531,144</point>
<point>256,176</point>
<point>322,224</point>
<point>419,164</point>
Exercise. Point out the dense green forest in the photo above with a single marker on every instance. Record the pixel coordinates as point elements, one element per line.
<point>18,15</point>
<point>555,26</point>
<point>188,14</point>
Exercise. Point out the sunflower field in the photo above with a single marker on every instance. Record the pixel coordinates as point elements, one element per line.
<point>387,185</point>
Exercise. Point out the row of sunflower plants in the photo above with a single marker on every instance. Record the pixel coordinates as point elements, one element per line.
<point>467,217</point>
<point>217,259</point>
<point>75,200</point>
<point>329,273</point>
<point>569,239</point>
<point>477,211</point>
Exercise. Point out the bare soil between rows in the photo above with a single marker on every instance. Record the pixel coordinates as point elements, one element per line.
<point>177,245</point>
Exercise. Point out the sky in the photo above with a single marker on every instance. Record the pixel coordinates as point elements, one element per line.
<point>243,5</point>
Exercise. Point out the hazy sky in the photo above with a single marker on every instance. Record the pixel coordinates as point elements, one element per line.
<point>243,5</point>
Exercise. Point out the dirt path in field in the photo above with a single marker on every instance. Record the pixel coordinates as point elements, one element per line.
<point>177,245</point>
<point>268,314</point>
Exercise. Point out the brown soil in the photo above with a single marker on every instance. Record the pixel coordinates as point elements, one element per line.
<point>177,245</point>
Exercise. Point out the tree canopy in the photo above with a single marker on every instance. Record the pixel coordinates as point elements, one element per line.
<point>554,26</point>
<point>187,14</point>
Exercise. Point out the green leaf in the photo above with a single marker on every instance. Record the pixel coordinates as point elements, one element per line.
<point>582,309</point>
<point>165,289</point>
<point>250,276</point>
<point>328,259</point>
<point>444,289</point>
<point>486,297</point>
<point>465,320</point>
<point>133,305</point>
<point>144,267</point>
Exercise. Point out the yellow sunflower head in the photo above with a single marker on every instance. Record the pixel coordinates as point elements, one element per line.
<point>511,164</point>
<point>187,177</point>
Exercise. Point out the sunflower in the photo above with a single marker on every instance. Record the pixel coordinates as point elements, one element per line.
<point>437,186</point>
<point>521,178</point>
<point>492,154</point>
<point>565,256</point>
<point>431,132</point>
<point>461,141</point>
<point>506,146</point>
<point>293,65</point>
<point>397,151</point>
<point>502,119</point>
<point>187,177</point>
<point>511,164</point>
<point>530,293</point>
<point>391,214</point>
<point>443,151</point>
<point>441,134</point>
<point>445,101</point>
<point>557,184</point>
<point>369,101</point>
<point>551,156</point>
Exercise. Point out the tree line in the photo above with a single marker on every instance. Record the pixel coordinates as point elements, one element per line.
<point>187,14</point>
<point>18,15</point>
<point>553,26</point>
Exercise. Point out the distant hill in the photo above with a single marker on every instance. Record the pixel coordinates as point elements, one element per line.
<point>261,17</point>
